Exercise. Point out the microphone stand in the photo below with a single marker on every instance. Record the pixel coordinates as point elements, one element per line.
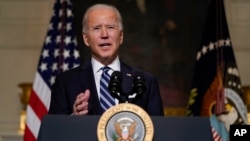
<point>126,98</point>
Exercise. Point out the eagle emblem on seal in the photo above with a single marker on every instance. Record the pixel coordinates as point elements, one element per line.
<point>125,131</point>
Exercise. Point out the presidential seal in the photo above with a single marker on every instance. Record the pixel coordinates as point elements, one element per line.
<point>125,122</point>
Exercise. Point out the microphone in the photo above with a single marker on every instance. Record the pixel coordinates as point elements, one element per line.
<point>115,84</point>
<point>139,86</point>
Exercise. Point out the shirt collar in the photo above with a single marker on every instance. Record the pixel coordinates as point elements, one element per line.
<point>115,65</point>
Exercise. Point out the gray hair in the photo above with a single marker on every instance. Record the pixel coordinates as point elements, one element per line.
<point>101,6</point>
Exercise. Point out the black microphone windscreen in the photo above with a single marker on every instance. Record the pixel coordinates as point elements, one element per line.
<point>116,75</point>
<point>115,82</point>
<point>138,76</point>
<point>139,85</point>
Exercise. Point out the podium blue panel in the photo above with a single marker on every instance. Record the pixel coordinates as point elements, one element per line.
<point>68,128</point>
<point>83,128</point>
<point>182,129</point>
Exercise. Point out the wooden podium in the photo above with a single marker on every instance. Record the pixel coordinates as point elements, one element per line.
<point>83,128</point>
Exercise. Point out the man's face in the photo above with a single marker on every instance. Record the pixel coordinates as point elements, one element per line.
<point>103,35</point>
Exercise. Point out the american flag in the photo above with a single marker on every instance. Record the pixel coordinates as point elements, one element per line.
<point>216,89</point>
<point>59,54</point>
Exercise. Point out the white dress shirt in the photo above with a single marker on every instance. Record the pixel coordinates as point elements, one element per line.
<point>97,71</point>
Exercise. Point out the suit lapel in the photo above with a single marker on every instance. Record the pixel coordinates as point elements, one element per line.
<point>127,76</point>
<point>88,80</point>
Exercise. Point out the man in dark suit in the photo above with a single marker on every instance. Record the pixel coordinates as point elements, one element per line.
<point>77,91</point>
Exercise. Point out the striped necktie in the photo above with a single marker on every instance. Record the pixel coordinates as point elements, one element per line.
<point>106,99</point>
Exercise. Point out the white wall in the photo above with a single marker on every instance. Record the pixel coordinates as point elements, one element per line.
<point>23,25</point>
<point>239,24</point>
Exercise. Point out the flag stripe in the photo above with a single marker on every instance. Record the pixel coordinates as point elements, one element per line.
<point>34,123</point>
<point>216,136</point>
<point>37,106</point>
<point>28,136</point>
<point>42,89</point>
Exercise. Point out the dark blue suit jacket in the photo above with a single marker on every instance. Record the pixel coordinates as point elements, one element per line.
<point>69,84</point>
